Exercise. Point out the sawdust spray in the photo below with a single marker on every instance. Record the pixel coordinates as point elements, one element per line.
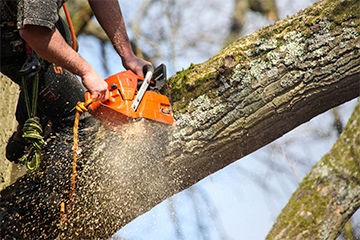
<point>121,178</point>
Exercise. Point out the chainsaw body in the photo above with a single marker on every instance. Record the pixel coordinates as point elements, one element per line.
<point>123,89</point>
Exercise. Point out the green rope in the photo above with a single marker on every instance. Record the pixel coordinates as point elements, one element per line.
<point>32,129</point>
<point>31,159</point>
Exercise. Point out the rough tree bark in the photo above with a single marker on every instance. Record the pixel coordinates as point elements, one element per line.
<point>248,95</point>
<point>7,109</point>
<point>264,85</point>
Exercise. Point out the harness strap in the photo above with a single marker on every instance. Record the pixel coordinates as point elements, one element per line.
<point>68,18</point>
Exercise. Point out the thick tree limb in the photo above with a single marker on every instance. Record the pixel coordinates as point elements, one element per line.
<point>263,86</point>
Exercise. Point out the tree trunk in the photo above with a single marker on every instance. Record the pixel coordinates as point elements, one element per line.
<point>329,195</point>
<point>8,124</point>
<point>250,94</point>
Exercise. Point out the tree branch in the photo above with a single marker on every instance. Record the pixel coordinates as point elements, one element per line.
<point>329,195</point>
<point>263,86</point>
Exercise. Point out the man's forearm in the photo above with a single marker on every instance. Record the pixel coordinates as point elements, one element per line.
<point>50,45</point>
<point>109,15</point>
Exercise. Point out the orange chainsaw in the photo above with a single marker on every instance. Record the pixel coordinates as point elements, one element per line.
<point>132,97</point>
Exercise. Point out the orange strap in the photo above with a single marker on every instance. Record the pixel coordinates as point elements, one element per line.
<point>68,18</point>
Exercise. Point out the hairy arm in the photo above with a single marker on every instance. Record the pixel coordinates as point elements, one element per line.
<point>50,45</point>
<point>109,15</point>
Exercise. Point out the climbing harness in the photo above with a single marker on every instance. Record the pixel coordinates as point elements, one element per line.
<point>32,130</point>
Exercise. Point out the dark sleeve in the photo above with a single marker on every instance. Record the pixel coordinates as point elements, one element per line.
<point>43,13</point>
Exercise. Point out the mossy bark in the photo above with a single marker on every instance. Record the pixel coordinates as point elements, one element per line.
<point>329,195</point>
<point>262,86</point>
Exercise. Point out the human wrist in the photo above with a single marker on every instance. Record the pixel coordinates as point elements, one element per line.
<point>85,70</point>
<point>127,55</point>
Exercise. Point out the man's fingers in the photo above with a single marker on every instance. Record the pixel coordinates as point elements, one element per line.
<point>100,96</point>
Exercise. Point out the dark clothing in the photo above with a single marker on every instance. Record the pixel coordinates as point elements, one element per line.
<point>29,209</point>
<point>59,90</point>
<point>41,13</point>
<point>16,14</point>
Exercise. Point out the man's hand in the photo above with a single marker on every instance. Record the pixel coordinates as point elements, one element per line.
<point>96,86</point>
<point>135,64</point>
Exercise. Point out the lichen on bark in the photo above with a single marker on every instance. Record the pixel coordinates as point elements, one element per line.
<point>292,57</point>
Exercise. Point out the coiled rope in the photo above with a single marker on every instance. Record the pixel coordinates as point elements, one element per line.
<point>32,128</point>
<point>81,107</point>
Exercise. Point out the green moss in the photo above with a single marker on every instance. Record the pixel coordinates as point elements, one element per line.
<point>333,11</point>
<point>346,9</point>
<point>200,79</point>
<point>299,215</point>
<point>265,34</point>
<point>307,33</point>
<point>349,146</point>
<point>185,87</point>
